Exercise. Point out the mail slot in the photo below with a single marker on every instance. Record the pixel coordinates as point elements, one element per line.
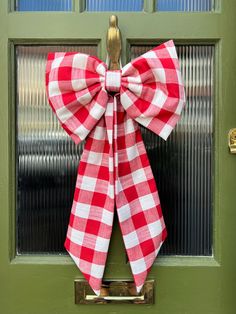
<point>114,292</point>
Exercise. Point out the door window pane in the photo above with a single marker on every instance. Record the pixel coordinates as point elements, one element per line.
<point>43,5</point>
<point>182,165</point>
<point>185,5</point>
<point>47,159</point>
<point>114,5</point>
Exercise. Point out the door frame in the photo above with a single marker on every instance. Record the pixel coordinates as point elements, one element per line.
<point>212,274</point>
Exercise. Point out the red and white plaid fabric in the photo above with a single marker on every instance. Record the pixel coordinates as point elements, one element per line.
<point>114,171</point>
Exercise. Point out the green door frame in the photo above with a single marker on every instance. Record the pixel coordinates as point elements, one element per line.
<point>44,284</point>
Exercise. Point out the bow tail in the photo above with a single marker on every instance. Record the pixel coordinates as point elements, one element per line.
<point>91,218</point>
<point>138,205</point>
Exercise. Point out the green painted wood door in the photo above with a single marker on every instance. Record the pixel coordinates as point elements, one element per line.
<point>37,284</point>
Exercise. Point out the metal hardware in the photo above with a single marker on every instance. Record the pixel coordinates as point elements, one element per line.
<point>114,292</point>
<point>114,43</point>
<point>232,141</point>
<point>115,298</point>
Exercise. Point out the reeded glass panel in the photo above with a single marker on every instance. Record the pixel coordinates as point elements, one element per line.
<point>182,165</point>
<point>185,5</point>
<point>43,5</point>
<point>47,159</point>
<point>114,5</point>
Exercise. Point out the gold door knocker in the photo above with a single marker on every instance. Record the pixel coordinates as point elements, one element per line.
<point>114,43</point>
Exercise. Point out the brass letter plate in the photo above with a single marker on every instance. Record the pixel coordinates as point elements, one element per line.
<point>114,292</point>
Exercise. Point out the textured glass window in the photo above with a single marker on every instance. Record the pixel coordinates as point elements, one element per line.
<point>114,5</point>
<point>47,159</point>
<point>185,5</point>
<point>43,5</point>
<point>182,165</point>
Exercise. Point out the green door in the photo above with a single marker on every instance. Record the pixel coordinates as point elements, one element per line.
<point>194,170</point>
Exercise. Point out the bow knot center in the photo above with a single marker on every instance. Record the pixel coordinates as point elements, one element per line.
<point>113,80</point>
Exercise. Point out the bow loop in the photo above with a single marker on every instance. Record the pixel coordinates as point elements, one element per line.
<point>75,90</point>
<point>152,89</point>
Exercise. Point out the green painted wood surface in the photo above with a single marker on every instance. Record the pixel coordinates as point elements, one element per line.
<point>43,285</point>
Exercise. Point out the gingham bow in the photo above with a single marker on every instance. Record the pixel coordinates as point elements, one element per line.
<point>114,170</point>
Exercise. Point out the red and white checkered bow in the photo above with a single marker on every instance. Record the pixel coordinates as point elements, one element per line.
<point>114,170</point>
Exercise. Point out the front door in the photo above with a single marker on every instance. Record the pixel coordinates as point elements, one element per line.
<point>194,170</point>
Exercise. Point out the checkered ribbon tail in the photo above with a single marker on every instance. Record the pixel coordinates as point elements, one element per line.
<point>114,172</point>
